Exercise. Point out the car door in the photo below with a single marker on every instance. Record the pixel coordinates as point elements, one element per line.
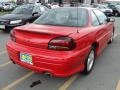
<point>102,29</point>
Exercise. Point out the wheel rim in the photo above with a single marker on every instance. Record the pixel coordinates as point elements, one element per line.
<point>90,60</point>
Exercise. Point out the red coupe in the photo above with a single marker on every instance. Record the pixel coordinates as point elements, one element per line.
<point>62,42</point>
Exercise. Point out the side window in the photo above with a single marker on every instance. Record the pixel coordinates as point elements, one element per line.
<point>95,21</point>
<point>101,16</point>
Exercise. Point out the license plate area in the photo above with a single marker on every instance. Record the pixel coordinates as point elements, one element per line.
<point>2,26</point>
<point>27,58</point>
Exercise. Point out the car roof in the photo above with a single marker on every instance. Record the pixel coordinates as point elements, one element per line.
<point>87,8</point>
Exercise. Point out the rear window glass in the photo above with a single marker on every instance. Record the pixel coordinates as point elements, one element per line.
<point>64,17</point>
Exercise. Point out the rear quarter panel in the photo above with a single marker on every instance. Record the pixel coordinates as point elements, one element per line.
<point>84,39</point>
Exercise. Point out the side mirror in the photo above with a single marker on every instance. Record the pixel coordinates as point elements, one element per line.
<point>35,13</point>
<point>110,20</point>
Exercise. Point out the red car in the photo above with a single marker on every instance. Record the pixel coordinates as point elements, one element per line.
<point>62,42</point>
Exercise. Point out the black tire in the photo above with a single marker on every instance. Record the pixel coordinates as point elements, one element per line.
<point>88,69</point>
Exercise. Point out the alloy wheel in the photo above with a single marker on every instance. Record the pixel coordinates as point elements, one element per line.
<point>90,60</point>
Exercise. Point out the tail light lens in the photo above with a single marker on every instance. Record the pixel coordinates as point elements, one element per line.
<point>12,35</point>
<point>62,43</point>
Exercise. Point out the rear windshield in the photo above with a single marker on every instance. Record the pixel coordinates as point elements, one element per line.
<point>24,9</point>
<point>64,17</point>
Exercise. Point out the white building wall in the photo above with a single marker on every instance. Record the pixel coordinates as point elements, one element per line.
<point>33,1</point>
<point>87,1</point>
<point>46,0</point>
<point>95,1</point>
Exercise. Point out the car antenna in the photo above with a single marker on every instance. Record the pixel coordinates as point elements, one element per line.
<point>77,18</point>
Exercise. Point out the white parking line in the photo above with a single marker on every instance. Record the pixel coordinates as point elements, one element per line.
<point>5,64</point>
<point>68,82</point>
<point>18,81</point>
<point>3,52</point>
<point>118,86</point>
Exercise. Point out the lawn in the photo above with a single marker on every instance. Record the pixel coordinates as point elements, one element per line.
<point>2,13</point>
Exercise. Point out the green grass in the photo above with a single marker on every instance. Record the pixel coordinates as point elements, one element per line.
<point>2,13</point>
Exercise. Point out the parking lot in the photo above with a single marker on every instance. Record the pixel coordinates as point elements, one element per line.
<point>105,75</point>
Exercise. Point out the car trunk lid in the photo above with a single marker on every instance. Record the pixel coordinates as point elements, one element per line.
<point>40,35</point>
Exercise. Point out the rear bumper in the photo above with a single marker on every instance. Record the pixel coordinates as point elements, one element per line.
<point>59,64</point>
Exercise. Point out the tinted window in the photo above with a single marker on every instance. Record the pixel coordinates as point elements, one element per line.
<point>24,9</point>
<point>101,16</point>
<point>64,17</point>
<point>95,21</point>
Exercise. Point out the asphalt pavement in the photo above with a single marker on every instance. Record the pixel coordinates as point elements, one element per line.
<point>105,75</point>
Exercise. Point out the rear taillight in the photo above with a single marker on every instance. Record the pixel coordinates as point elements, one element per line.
<point>62,43</point>
<point>12,35</point>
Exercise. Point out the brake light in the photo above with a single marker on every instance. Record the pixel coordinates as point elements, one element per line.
<point>12,35</point>
<point>62,43</point>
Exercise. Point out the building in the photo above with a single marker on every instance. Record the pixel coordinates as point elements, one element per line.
<point>81,1</point>
<point>43,1</point>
